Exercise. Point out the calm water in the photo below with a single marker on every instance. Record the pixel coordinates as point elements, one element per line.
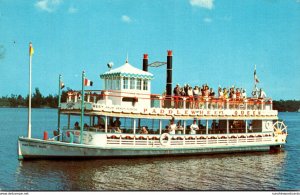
<point>255,171</point>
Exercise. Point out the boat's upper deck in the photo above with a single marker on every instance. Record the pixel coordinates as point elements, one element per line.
<point>160,106</point>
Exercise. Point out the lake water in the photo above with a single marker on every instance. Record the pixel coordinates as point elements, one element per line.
<point>251,171</point>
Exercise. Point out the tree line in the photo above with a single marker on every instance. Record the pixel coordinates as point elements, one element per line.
<point>37,100</point>
<point>51,101</point>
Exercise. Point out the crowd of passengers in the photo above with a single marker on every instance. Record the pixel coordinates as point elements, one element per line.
<point>206,91</point>
<point>172,128</point>
<point>194,94</point>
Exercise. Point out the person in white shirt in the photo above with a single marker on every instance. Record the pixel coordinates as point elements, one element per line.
<point>262,94</point>
<point>194,127</point>
<point>172,127</point>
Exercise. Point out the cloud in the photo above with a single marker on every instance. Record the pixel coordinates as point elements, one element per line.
<point>207,4</point>
<point>126,19</point>
<point>47,5</point>
<point>72,10</point>
<point>207,20</point>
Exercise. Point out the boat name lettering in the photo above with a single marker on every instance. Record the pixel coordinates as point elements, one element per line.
<point>202,112</point>
<point>34,146</point>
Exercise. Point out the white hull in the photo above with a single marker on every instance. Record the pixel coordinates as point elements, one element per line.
<point>37,148</point>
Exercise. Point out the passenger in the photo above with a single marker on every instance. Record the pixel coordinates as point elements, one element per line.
<point>238,93</point>
<point>211,92</point>
<point>244,94</point>
<point>191,98</point>
<point>176,90</point>
<point>101,122</point>
<point>85,126</point>
<point>117,122</point>
<point>262,94</point>
<point>194,127</point>
<point>179,126</point>
<point>206,91</point>
<point>214,125</point>
<point>196,96</point>
<point>220,93</point>
<point>144,131</point>
<point>172,127</point>
<point>118,130</point>
<point>186,88</point>
<point>76,125</point>
<point>225,92</point>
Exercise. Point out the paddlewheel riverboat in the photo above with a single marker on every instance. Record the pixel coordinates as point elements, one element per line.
<point>126,120</point>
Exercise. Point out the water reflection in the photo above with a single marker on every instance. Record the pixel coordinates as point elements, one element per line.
<point>251,171</point>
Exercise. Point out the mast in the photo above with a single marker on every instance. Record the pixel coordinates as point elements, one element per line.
<point>31,51</point>
<point>82,108</point>
<point>59,100</point>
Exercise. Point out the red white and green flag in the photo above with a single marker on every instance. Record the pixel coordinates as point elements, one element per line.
<point>88,82</point>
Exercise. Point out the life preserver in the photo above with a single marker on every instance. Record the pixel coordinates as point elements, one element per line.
<point>77,133</point>
<point>268,124</point>
<point>163,141</point>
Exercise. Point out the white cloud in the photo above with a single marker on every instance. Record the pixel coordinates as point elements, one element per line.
<point>207,20</point>
<point>47,5</point>
<point>72,10</point>
<point>208,4</point>
<point>126,19</point>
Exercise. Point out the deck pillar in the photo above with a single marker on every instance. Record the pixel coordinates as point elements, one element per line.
<point>206,126</point>
<point>134,126</point>
<point>262,104</point>
<point>106,118</point>
<point>160,126</point>
<point>227,126</point>
<point>68,121</point>
<point>184,125</point>
<point>246,126</point>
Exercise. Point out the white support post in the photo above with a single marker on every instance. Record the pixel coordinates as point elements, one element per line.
<point>68,121</point>
<point>160,126</point>
<point>184,125</point>
<point>206,126</point>
<point>134,126</point>
<point>227,126</point>
<point>246,126</point>
<point>106,118</point>
<point>88,97</point>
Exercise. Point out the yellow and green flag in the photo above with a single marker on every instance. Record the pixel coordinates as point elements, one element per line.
<point>31,50</point>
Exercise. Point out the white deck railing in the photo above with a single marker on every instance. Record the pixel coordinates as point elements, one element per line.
<point>188,140</point>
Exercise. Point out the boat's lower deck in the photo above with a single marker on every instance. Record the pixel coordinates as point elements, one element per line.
<point>165,146</point>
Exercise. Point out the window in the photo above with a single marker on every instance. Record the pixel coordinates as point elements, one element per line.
<point>139,84</point>
<point>117,83</point>
<point>125,83</point>
<point>132,83</point>
<point>145,85</point>
<point>105,84</point>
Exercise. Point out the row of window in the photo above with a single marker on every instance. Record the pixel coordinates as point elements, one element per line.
<point>128,83</point>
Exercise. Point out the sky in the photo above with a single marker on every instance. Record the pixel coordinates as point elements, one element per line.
<point>217,42</point>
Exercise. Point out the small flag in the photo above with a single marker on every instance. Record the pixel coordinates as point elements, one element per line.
<point>255,76</point>
<point>31,50</point>
<point>62,85</point>
<point>88,82</point>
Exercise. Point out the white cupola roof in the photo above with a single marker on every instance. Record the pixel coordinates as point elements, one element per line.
<point>127,70</point>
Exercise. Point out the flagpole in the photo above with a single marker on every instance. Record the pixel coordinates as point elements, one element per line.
<point>29,96</point>
<point>59,100</point>
<point>82,108</point>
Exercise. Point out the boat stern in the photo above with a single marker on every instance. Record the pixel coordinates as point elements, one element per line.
<point>20,155</point>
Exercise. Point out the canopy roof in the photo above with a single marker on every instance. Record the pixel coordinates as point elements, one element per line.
<point>127,70</point>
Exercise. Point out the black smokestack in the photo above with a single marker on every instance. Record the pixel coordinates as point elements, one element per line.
<point>169,73</point>
<point>145,62</point>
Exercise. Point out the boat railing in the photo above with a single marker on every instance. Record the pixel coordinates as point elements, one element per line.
<point>177,102</point>
<point>186,139</point>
